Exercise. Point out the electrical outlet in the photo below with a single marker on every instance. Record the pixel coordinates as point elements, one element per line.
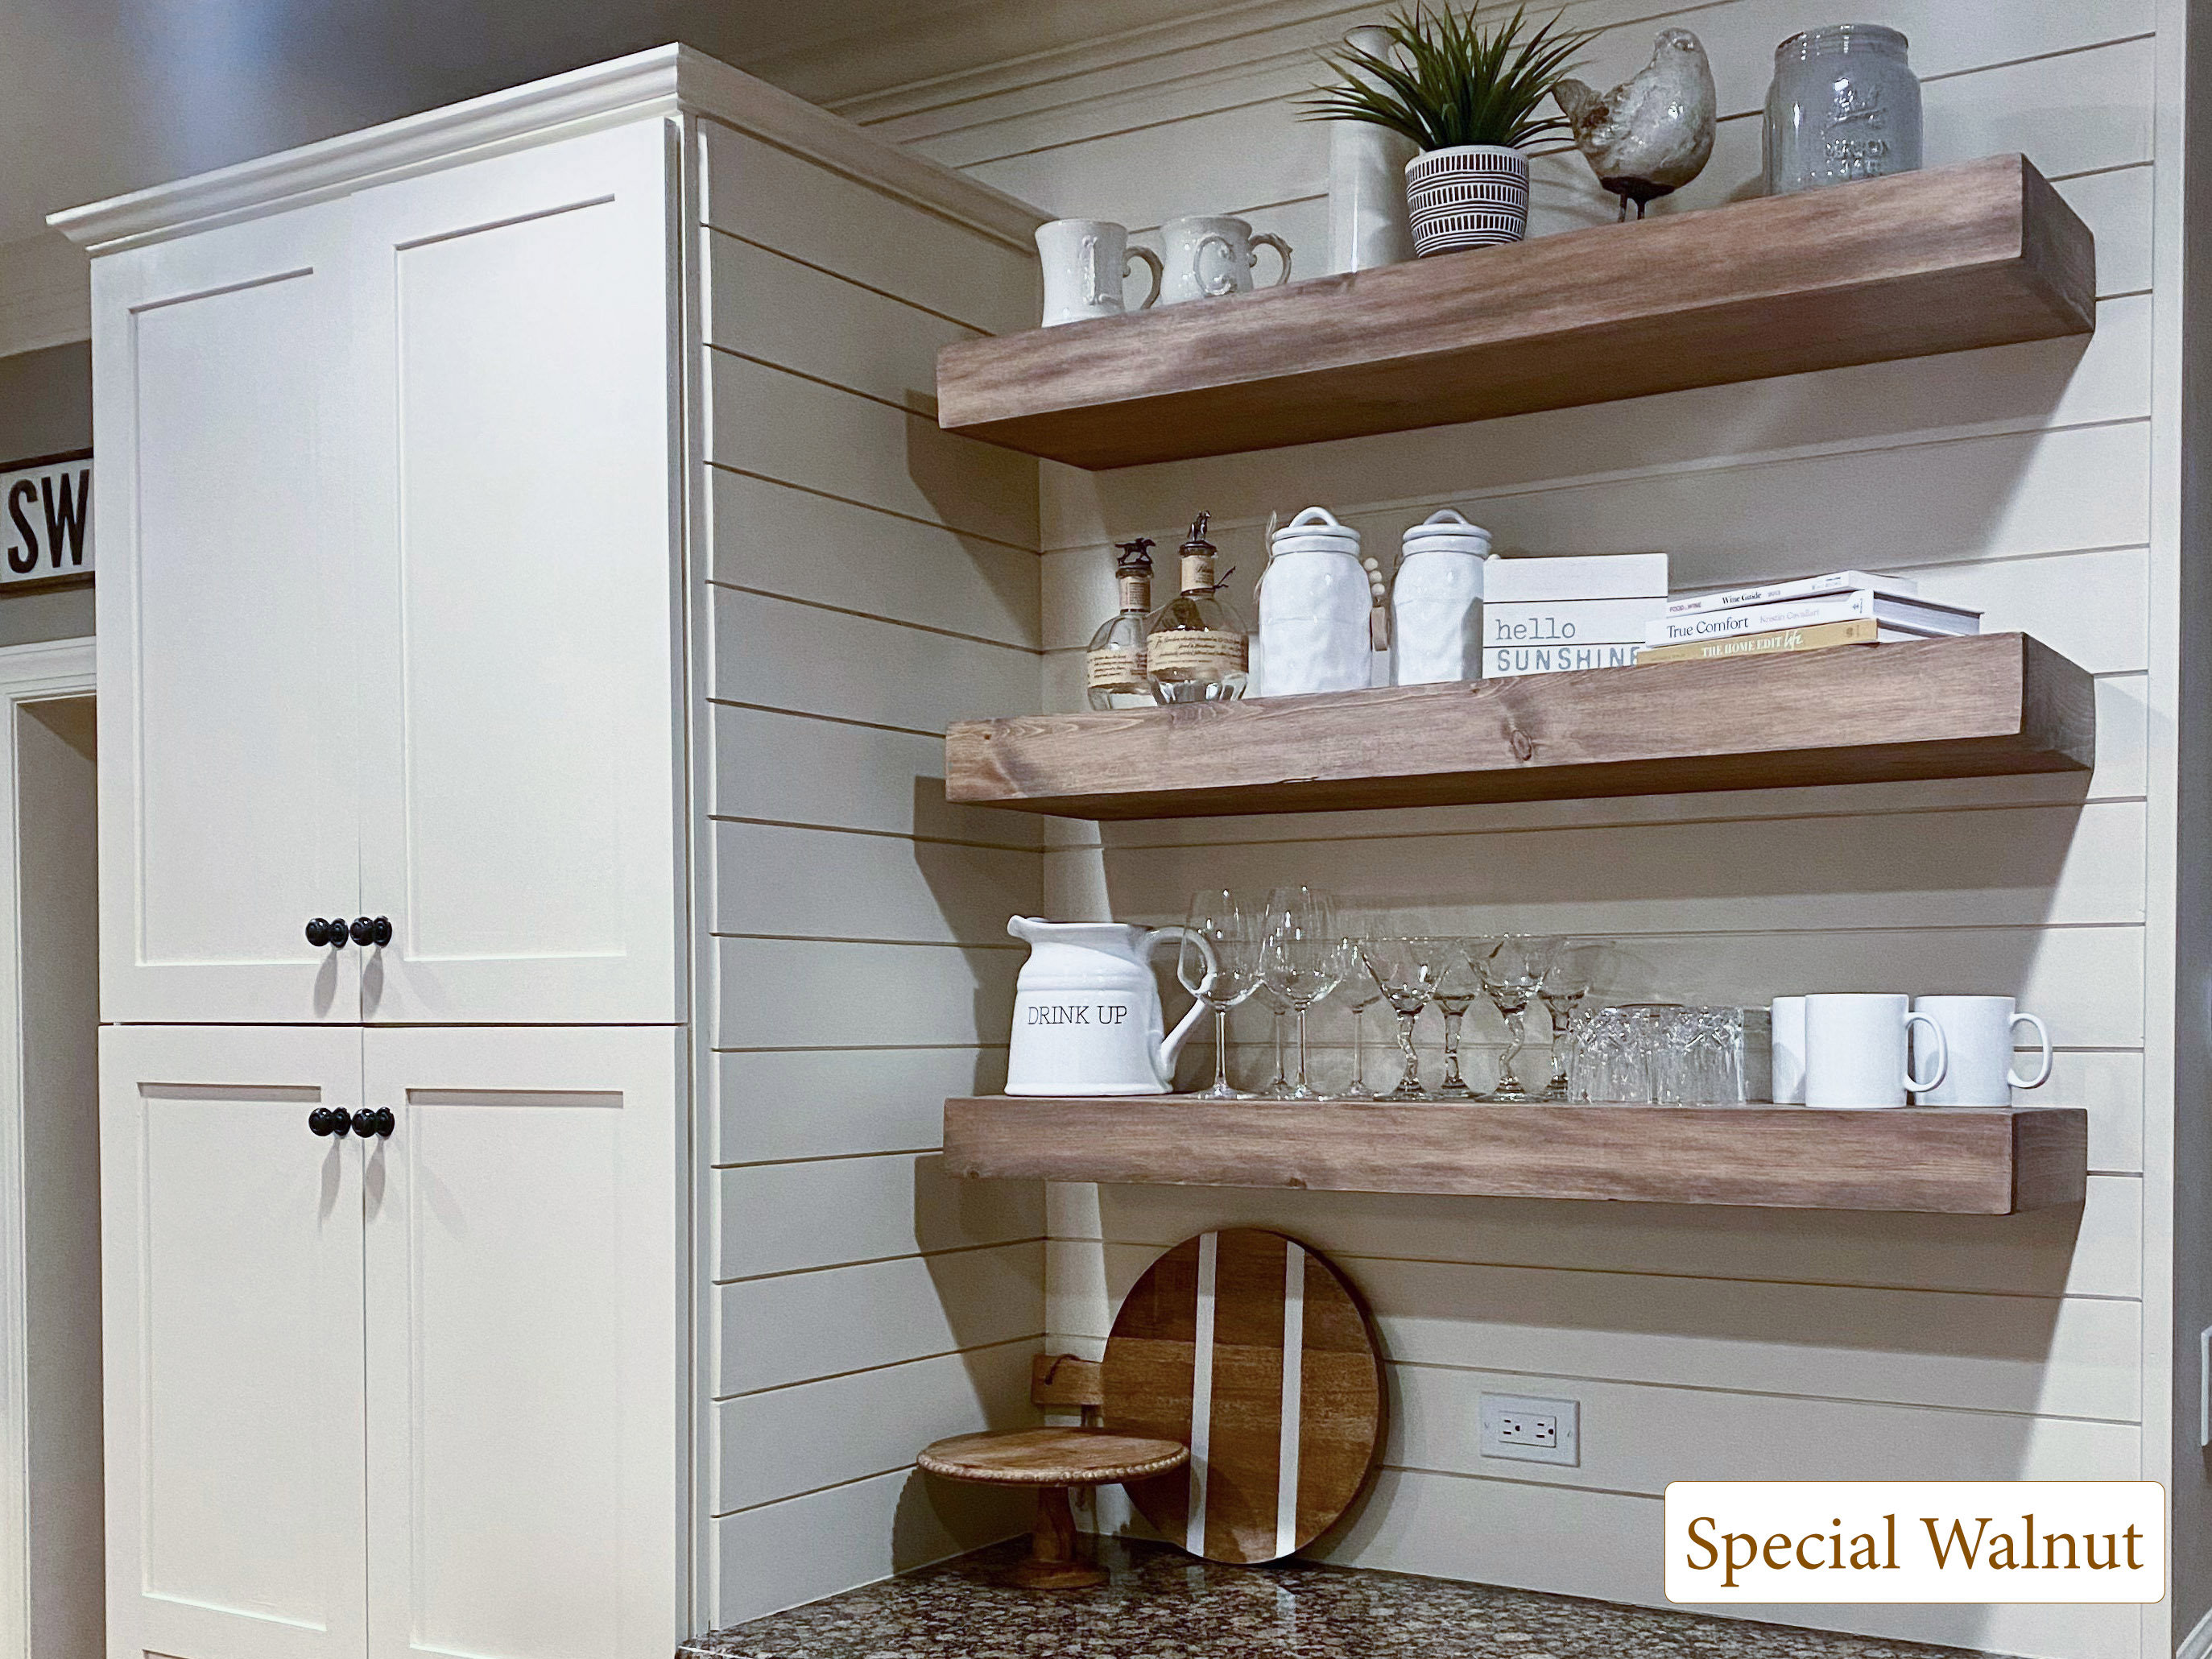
<point>1530,1430</point>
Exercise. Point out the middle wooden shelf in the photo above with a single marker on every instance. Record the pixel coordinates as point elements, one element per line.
<point>1979,707</point>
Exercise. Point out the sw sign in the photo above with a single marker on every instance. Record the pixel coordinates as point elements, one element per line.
<point>48,533</point>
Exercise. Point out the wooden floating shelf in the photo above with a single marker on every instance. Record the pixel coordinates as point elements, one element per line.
<point>1983,253</point>
<point>1984,706</point>
<point>1949,1161</point>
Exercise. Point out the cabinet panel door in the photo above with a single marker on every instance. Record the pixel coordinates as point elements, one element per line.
<point>521,785</point>
<point>526,1297</point>
<point>232,1269</point>
<point>228,655</point>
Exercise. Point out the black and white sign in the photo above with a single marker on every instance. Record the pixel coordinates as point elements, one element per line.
<point>47,530</point>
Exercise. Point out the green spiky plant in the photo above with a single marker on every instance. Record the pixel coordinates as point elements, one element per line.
<point>1447,80</point>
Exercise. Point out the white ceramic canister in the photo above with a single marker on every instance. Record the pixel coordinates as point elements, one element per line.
<point>1314,602</point>
<point>1436,605</point>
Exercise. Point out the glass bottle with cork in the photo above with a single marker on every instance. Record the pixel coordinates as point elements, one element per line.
<point>1196,650</point>
<point>1114,670</point>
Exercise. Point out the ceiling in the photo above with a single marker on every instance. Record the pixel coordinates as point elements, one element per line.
<point>102,96</point>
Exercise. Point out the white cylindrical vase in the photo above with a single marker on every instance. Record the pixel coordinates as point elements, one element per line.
<point>1467,196</point>
<point>1367,217</point>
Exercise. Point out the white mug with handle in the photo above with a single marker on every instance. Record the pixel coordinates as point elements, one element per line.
<point>1857,1048</point>
<point>1210,258</point>
<point>1085,262</point>
<point>1978,1037</point>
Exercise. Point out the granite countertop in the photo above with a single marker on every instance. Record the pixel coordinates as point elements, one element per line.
<point>1161,1604</point>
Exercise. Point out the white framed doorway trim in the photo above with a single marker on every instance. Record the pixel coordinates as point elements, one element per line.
<point>42,673</point>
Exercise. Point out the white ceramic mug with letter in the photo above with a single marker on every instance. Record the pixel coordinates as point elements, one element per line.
<point>1084,263</point>
<point>1978,1037</point>
<point>1857,1048</point>
<point>1210,258</point>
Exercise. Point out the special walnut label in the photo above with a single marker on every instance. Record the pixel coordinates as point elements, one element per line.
<point>1108,670</point>
<point>1197,651</point>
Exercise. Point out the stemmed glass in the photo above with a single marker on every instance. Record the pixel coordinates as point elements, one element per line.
<point>1356,987</point>
<point>1226,922</point>
<point>1405,972</point>
<point>1575,968</point>
<point>1300,961</point>
<point>1512,970</point>
<point>1267,996</point>
<point>1459,982</point>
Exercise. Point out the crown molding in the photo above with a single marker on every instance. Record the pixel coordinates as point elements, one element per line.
<point>663,80</point>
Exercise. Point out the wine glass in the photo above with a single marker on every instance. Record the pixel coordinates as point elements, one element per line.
<point>1404,972</point>
<point>1512,970</point>
<point>1299,961</point>
<point>1356,986</point>
<point>1577,966</point>
<point>1226,922</point>
<point>1459,982</point>
<point>1265,996</point>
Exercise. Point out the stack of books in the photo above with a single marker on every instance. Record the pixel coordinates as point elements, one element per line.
<point>1554,616</point>
<point>1811,613</point>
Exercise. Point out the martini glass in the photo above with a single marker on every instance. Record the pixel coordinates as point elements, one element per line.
<point>1576,966</point>
<point>1405,972</point>
<point>1512,971</point>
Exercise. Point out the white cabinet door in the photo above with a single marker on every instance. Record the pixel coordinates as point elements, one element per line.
<point>521,797</point>
<point>231,1266</point>
<point>228,652</point>
<point>526,1319</point>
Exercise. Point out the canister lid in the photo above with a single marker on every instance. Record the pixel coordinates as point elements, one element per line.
<point>1316,531</point>
<point>1447,532</point>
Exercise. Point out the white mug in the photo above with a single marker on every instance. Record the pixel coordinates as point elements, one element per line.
<point>1210,258</point>
<point>1787,1015</point>
<point>1856,1049</point>
<point>1084,263</point>
<point>1978,1035</point>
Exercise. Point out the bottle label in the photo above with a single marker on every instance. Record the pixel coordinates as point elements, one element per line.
<point>1198,573</point>
<point>1110,670</point>
<point>1196,653</point>
<point>1136,592</point>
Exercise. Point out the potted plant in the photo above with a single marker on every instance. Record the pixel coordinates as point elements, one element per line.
<point>1468,96</point>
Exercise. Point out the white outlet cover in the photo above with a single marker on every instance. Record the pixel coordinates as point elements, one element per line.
<point>1493,1409</point>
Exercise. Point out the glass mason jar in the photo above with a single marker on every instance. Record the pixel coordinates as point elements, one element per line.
<point>1844,105</point>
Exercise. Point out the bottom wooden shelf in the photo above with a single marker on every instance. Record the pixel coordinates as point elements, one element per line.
<point>1954,1161</point>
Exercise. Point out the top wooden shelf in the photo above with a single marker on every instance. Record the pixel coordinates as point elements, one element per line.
<point>1983,253</point>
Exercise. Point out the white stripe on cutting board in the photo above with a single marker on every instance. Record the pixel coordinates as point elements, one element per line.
<point>1294,1374</point>
<point>1201,1392</point>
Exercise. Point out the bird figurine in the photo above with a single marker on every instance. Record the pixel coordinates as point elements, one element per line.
<point>1653,133</point>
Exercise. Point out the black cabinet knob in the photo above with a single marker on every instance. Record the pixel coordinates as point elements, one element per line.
<point>371,930</point>
<point>330,1121</point>
<point>383,930</point>
<point>378,1122</point>
<point>318,931</point>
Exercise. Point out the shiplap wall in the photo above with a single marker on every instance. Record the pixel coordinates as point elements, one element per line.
<point>870,580</point>
<point>1701,1343</point>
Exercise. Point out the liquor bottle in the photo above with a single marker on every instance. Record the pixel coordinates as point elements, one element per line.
<point>1113,666</point>
<point>1196,648</point>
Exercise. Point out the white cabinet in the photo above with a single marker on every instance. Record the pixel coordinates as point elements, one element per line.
<point>227,638</point>
<point>232,1269</point>
<point>521,731</point>
<point>403,1394</point>
<point>395,629</point>
<point>526,1298</point>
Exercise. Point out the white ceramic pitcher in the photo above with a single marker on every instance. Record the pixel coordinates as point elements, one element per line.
<point>1087,1015</point>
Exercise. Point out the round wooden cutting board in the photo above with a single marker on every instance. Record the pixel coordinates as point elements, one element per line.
<point>1253,1351</point>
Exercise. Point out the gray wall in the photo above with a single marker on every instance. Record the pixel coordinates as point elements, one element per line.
<point>45,409</point>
